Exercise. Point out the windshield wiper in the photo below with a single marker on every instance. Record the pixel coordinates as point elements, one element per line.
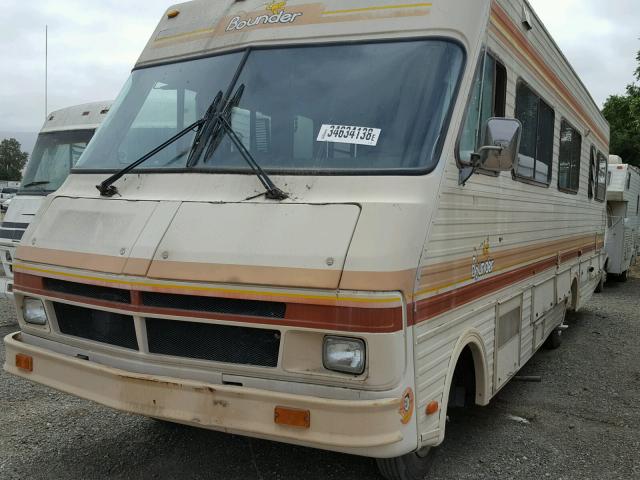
<point>221,126</point>
<point>107,189</point>
<point>35,184</point>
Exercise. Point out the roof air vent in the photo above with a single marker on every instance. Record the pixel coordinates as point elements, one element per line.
<point>526,18</point>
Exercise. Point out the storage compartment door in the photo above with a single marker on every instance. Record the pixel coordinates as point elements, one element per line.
<point>509,319</point>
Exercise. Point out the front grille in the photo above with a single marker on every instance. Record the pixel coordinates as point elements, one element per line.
<point>229,306</point>
<point>96,325</point>
<point>219,343</point>
<point>89,291</point>
<point>11,234</point>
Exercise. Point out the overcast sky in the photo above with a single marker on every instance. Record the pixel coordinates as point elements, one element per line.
<point>94,44</point>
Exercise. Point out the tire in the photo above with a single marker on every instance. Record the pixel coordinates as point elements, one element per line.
<point>554,341</point>
<point>624,276</point>
<point>600,286</point>
<point>412,466</point>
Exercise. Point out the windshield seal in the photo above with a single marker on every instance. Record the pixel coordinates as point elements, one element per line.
<point>426,168</point>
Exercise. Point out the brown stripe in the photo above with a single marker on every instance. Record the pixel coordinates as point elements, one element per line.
<point>322,317</point>
<point>438,304</point>
<point>433,306</point>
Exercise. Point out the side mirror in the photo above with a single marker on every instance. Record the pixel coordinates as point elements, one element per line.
<point>500,152</point>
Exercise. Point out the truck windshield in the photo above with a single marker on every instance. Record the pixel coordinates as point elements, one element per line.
<point>379,108</point>
<point>54,155</point>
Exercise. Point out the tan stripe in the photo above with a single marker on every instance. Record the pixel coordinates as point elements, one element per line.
<point>215,273</point>
<point>83,261</point>
<point>271,276</point>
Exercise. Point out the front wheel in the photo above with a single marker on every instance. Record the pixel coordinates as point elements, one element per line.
<point>412,466</point>
<point>624,276</point>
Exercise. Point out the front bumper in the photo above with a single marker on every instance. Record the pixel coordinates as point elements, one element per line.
<point>361,427</point>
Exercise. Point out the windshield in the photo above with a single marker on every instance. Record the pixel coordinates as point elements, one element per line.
<point>379,107</point>
<point>53,157</point>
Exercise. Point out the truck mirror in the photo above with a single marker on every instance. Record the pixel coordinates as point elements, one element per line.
<point>500,150</point>
<point>502,143</point>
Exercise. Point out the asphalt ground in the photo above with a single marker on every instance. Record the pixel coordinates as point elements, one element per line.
<point>582,421</point>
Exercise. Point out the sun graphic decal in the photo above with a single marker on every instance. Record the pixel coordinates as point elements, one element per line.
<point>276,7</point>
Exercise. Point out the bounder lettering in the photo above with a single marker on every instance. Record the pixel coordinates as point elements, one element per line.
<point>481,269</point>
<point>237,23</point>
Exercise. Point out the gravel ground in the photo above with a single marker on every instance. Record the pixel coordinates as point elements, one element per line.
<point>581,422</point>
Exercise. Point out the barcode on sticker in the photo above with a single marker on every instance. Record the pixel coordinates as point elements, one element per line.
<point>349,134</point>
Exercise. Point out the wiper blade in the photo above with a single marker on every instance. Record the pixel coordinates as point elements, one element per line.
<point>208,124</point>
<point>35,184</point>
<point>107,189</point>
<point>222,125</point>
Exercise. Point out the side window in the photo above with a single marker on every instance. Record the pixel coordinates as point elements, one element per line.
<point>536,146</point>
<point>488,99</point>
<point>592,171</point>
<point>569,159</point>
<point>638,206</point>
<point>601,178</point>
<point>628,180</point>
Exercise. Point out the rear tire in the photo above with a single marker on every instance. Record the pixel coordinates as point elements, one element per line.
<point>412,466</point>
<point>624,276</point>
<point>554,341</point>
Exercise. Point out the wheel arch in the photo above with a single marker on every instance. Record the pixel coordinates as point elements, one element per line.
<point>472,340</point>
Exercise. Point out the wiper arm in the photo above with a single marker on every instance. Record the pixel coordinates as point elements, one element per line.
<point>35,184</point>
<point>107,189</point>
<point>272,192</point>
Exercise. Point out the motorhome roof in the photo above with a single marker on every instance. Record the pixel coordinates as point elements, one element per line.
<point>203,27</point>
<point>86,116</point>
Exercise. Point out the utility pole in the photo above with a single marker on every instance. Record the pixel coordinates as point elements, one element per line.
<point>46,71</point>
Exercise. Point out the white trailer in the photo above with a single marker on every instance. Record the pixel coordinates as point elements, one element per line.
<point>623,217</point>
<point>61,142</point>
<point>386,210</point>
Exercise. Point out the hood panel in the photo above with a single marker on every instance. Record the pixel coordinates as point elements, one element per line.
<point>92,234</point>
<point>268,244</point>
<point>23,208</point>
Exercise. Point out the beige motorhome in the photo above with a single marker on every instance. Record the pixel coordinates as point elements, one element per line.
<point>623,213</point>
<point>323,223</point>
<point>63,138</point>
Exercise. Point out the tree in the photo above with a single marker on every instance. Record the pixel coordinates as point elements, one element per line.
<point>623,114</point>
<point>12,160</point>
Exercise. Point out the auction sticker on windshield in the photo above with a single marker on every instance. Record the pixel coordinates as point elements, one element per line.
<point>349,134</point>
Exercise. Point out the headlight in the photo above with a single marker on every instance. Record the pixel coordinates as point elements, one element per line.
<point>345,355</point>
<point>33,311</point>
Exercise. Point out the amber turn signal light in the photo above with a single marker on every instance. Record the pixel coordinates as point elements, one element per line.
<point>24,362</point>
<point>433,407</point>
<point>173,13</point>
<point>292,417</point>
